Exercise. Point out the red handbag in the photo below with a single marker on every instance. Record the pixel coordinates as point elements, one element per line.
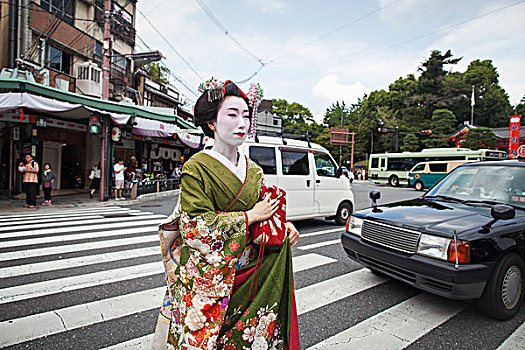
<point>271,232</point>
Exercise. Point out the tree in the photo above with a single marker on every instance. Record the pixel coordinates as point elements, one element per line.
<point>443,123</point>
<point>410,143</point>
<point>479,138</point>
<point>157,72</point>
<point>492,106</point>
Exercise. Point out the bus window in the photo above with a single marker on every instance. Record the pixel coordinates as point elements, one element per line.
<point>375,163</point>
<point>383,161</point>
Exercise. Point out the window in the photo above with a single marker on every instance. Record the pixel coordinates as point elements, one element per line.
<point>295,163</point>
<point>375,163</point>
<point>324,165</point>
<point>59,60</point>
<point>119,60</point>
<point>383,162</point>
<point>438,168</point>
<point>265,157</point>
<point>420,167</point>
<point>64,9</point>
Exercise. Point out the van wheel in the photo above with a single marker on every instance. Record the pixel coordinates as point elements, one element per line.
<point>418,186</point>
<point>505,290</point>
<point>393,181</point>
<point>343,213</point>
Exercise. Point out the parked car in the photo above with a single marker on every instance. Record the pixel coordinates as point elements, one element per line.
<point>307,172</point>
<point>463,239</point>
<point>427,174</point>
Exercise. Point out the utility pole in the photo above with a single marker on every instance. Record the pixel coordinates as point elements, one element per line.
<point>105,96</point>
<point>397,138</point>
<point>472,103</point>
<point>340,146</point>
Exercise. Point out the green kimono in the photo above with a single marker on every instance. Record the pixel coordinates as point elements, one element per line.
<point>218,295</point>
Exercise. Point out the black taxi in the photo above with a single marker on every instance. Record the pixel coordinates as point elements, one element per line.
<point>463,239</point>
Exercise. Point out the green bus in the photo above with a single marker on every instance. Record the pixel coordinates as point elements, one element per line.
<point>392,168</point>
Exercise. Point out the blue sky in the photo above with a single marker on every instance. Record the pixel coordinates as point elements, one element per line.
<point>318,52</point>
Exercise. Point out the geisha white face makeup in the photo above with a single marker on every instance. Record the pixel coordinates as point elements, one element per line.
<point>232,124</point>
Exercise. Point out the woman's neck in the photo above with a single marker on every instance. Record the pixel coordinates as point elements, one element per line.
<point>228,151</point>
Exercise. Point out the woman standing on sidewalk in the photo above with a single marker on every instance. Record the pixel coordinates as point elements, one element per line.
<point>94,176</point>
<point>48,177</point>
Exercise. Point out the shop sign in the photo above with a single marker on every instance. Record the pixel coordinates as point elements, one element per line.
<point>514,135</point>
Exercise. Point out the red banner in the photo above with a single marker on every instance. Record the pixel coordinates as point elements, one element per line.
<point>514,135</point>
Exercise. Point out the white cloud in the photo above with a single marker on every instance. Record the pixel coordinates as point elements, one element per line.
<point>328,89</point>
<point>270,6</point>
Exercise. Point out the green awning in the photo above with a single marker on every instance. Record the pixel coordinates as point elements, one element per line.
<point>104,105</point>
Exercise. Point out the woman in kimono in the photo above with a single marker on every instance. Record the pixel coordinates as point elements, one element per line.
<point>220,294</point>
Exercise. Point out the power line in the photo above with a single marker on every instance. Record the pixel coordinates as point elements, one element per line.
<point>171,46</point>
<point>226,32</point>
<point>354,21</point>
<point>408,40</point>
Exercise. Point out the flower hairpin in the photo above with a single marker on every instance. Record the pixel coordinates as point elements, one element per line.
<point>255,95</point>
<point>214,87</point>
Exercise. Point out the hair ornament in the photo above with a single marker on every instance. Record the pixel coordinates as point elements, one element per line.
<point>214,87</point>
<point>255,95</point>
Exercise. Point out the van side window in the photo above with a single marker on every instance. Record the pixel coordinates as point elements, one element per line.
<point>265,158</point>
<point>420,167</point>
<point>324,166</point>
<point>438,167</point>
<point>295,163</point>
<point>375,163</point>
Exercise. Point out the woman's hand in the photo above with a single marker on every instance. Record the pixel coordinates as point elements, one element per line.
<point>292,233</point>
<point>263,209</point>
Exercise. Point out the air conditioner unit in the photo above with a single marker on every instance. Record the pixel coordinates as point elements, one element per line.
<point>89,79</point>
<point>62,84</point>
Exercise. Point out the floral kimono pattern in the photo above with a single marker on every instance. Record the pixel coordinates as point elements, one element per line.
<point>210,268</point>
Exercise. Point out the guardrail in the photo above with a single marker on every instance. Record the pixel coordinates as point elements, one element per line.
<point>151,186</point>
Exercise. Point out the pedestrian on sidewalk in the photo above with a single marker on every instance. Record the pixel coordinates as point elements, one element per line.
<point>94,176</point>
<point>118,170</point>
<point>48,177</point>
<point>30,181</point>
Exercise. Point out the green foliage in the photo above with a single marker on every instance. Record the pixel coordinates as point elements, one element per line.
<point>410,143</point>
<point>157,72</point>
<point>296,116</point>
<point>479,138</point>
<point>443,123</point>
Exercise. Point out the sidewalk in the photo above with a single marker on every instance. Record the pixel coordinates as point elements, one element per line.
<point>73,198</point>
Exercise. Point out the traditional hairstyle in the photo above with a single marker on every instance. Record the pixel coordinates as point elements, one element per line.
<point>208,104</point>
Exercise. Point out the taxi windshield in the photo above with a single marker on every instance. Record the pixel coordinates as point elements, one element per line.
<point>490,184</point>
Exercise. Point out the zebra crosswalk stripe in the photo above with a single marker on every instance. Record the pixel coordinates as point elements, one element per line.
<point>396,327</point>
<point>320,244</point>
<point>141,343</point>
<point>516,341</point>
<point>61,213</point>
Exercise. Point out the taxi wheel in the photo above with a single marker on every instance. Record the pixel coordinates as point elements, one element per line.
<point>393,181</point>
<point>419,186</point>
<point>505,290</point>
<point>343,213</point>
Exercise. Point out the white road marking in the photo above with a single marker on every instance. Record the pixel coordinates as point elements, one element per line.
<point>44,324</point>
<point>308,261</point>
<point>515,341</point>
<point>29,241</point>
<point>59,218</point>
<point>61,212</point>
<point>39,289</point>
<point>73,248</point>
<point>20,270</point>
<point>320,244</point>
<point>323,232</point>
<point>396,327</point>
<point>61,227</point>
<point>141,343</point>
<point>317,295</point>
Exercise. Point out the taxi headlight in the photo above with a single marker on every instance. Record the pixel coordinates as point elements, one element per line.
<point>354,225</point>
<point>433,246</point>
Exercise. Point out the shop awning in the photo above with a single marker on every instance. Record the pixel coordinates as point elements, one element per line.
<point>11,101</point>
<point>109,107</point>
<point>155,128</point>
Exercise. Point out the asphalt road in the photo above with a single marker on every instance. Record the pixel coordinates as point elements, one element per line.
<point>92,279</point>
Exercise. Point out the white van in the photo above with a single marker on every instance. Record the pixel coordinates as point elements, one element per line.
<point>308,174</point>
